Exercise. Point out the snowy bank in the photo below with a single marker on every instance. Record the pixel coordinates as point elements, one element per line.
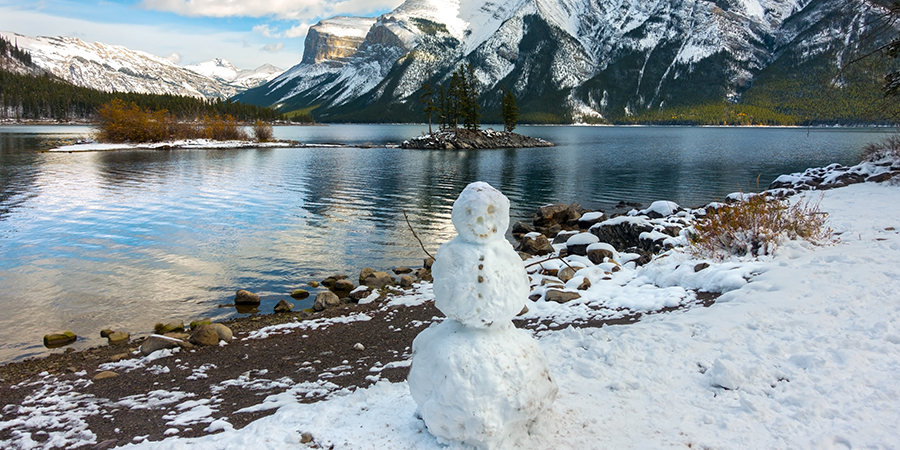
<point>180,144</point>
<point>804,354</point>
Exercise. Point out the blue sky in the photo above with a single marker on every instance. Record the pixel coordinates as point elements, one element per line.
<point>247,33</point>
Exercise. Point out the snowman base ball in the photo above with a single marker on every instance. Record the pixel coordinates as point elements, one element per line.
<point>481,387</point>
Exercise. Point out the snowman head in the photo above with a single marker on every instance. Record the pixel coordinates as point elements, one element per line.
<point>481,213</point>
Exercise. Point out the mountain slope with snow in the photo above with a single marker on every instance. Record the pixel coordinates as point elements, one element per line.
<point>114,68</point>
<point>600,58</point>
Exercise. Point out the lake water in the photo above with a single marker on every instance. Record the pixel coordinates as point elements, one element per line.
<point>127,239</point>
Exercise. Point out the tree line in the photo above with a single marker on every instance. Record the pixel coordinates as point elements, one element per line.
<point>12,50</point>
<point>458,103</point>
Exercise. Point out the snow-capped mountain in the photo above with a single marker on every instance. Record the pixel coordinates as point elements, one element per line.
<point>227,73</point>
<point>115,68</point>
<point>582,57</point>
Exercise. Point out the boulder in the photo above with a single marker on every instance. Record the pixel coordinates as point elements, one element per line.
<point>406,281</point>
<point>171,327</point>
<point>283,306</point>
<point>565,274</point>
<point>330,281</point>
<point>224,332</point>
<point>558,214</point>
<point>59,339</point>
<point>622,232</point>
<point>429,261</point>
<point>378,280</point>
<point>563,236</point>
<point>156,342</point>
<point>244,297</point>
<point>118,337</point>
<point>325,300</point>
<point>205,335</point>
<point>342,287</point>
<point>359,294</point>
<point>598,252</point>
<point>401,270</point>
<point>313,284</point>
<point>591,218</point>
<point>365,273</point>
<point>520,229</point>
<point>578,244</point>
<point>300,294</point>
<point>553,295</point>
<point>701,266</point>
<point>535,244</point>
<point>106,332</point>
<point>196,323</point>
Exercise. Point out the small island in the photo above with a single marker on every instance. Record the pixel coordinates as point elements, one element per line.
<point>463,139</point>
<point>457,110</point>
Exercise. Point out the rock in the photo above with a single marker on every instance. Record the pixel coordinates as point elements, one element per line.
<point>360,294</point>
<point>283,306</point>
<point>563,236</point>
<point>553,295</point>
<point>701,266</point>
<point>585,284</point>
<point>205,335</point>
<point>578,244</point>
<point>429,261</point>
<point>196,323</point>
<point>558,214</point>
<point>118,337</point>
<point>169,327</point>
<point>244,297</point>
<point>599,251</point>
<point>330,281</point>
<point>378,280</point>
<point>306,438</point>
<point>59,339</point>
<point>156,342</point>
<point>406,281</point>
<point>588,219</point>
<point>342,287</point>
<point>520,229</point>
<point>535,244</point>
<point>224,332</point>
<point>402,270</point>
<point>622,232</point>
<point>359,347</point>
<point>523,311</point>
<point>119,357</point>
<point>467,139</point>
<point>300,294</point>
<point>365,273</point>
<point>313,284</point>
<point>104,375</point>
<point>109,443</point>
<point>106,332</point>
<point>326,300</point>
<point>565,274</point>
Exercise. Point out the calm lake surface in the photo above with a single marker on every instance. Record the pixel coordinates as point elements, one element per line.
<point>127,239</point>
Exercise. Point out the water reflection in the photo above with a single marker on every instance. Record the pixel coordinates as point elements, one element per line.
<point>127,239</point>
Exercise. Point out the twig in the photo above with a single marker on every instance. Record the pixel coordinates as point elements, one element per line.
<point>416,235</point>
<point>550,259</point>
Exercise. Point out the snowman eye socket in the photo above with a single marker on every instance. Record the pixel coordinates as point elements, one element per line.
<point>469,211</point>
<point>491,209</point>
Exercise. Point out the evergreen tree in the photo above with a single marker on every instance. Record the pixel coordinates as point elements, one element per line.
<point>470,96</point>
<point>427,99</point>
<point>508,110</point>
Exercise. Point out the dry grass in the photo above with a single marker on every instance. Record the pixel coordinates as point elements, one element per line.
<point>756,226</point>
<point>120,122</point>
<point>889,148</point>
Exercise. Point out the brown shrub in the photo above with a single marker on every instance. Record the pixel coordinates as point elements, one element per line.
<point>889,147</point>
<point>756,226</point>
<point>119,122</point>
<point>226,128</point>
<point>262,131</point>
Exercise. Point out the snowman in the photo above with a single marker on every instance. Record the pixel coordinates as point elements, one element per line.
<point>476,378</point>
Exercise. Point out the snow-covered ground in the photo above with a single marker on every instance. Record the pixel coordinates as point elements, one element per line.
<point>803,351</point>
<point>183,144</point>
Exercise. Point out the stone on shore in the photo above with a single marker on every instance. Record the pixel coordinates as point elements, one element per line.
<point>196,323</point>
<point>157,342</point>
<point>535,244</point>
<point>406,281</point>
<point>59,339</point>
<point>171,327</point>
<point>378,280</point>
<point>402,270</point>
<point>300,294</point>
<point>325,300</point>
<point>105,374</point>
<point>225,333</point>
<point>244,297</point>
<point>205,335</point>
<point>283,306</point>
<point>118,337</point>
<point>553,295</point>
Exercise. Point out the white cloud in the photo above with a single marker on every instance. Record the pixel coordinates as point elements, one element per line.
<point>192,44</point>
<point>273,48</point>
<point>266,31</point>
<point>283,9</point>
<point>175,58</point>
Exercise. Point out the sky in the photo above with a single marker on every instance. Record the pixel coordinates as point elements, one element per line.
<point>248,33</point>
